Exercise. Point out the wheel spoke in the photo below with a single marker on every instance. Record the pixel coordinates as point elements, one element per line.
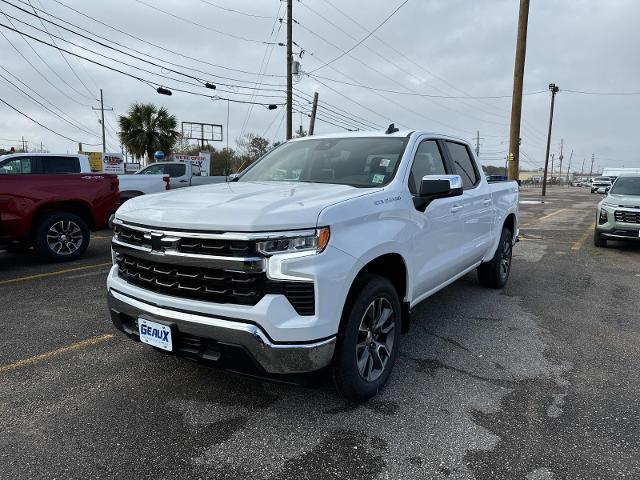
<point>385,313</point>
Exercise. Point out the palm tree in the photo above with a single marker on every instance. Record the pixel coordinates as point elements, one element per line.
<point>146,129</point>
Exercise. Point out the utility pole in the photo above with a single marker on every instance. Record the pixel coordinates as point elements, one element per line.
<point>289,132</point>
<point>582,168</point>
<point>554,89</point>
<point>516,100</point>
<point>79,147</point>
<point>593,158</point>
<point>478,143</point>
<point>41,147</point>
<point>314,108</point>
<point>553,157</point>
<point>24,144</point>
<point>561,157</point>
<point>102,109</point>
<point>569,167</point>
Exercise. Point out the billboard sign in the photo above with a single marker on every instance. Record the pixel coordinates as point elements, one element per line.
<point>203,160</point>
<point>95,161</point>
<point>113,163</point>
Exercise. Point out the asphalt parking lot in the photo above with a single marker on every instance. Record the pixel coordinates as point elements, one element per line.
<point>538,381</point>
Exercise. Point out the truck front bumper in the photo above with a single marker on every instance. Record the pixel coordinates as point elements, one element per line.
<point>227,343</point>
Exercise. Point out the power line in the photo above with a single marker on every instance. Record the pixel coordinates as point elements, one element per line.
<point>246,14</point>
<point>582,92</point>
<point>136,77</point>
<point>417,94</point>
<point>201,81</point>
<point>266,58</point>
<point>400,53</point>
<point>61,54</point>
<point>155,45</point>
<point>40,124</point>
<point>346,52</point>
<point>75,125</point>
<point>42,60</point>
<point>35,92</point>
<point>192,22</point>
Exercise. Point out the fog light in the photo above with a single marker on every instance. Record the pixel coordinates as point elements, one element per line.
<point>603,217</point>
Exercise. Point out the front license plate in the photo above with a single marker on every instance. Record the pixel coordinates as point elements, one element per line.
<point>155,334</point>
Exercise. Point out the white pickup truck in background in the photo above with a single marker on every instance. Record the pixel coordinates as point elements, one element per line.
<point>181,174</point>
<point>313,258</point>
<point>129,185</point>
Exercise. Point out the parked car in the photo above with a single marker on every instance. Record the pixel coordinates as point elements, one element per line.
<point>600,182</point>
<point>48,163</point>
<point>54,213</point>
<point>313,258</point>
<point>181,174</point>
<point>618,214</point>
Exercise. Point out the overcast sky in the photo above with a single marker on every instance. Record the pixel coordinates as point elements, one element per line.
<point>456,48</point>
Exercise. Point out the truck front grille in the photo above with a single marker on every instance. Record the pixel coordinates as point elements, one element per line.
<point>215,285</point>
<point>225,248</point>
<point>625,216</point>
<point>190,245</point>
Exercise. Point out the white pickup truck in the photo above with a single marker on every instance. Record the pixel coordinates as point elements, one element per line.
<point>129,185</point>
<point>314,258</point>
<point>181,174</point>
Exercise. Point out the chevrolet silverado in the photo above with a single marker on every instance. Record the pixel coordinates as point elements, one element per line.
<point>313,258</point>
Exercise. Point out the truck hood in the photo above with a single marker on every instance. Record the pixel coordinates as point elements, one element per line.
<point>632,201</point>
<point>238,206</point>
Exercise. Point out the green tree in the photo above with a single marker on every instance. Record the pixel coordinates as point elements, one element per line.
<point>147,128</point>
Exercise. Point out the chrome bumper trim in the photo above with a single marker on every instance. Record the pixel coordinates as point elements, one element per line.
<point>276,358</point>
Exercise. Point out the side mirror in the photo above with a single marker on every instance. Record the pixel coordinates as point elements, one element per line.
<point>440,186</point>
<point>433,187</point>
<point>233,177</point>
<point>606,190</point>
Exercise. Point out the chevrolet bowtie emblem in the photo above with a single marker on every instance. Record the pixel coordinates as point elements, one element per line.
<point>156,242</point>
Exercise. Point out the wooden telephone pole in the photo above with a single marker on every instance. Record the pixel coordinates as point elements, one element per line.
<point>314,108</point>
<point>102,109</point>
<point>289,132</point>
<point>516,100</point>
<point>554,89</point>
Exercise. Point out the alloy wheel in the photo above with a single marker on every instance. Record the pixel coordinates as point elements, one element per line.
<point>376,335</point>
<point>64,237</point>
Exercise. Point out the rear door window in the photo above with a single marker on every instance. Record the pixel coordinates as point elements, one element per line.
<point>463,164</point>
<point>176,170</point>
<point>60,164</point>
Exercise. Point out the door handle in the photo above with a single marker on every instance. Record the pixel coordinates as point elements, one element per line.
<point>486,201</point>
<point>456,208</point>
<point>183,181</point>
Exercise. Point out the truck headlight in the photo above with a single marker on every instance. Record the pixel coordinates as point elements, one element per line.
<point>291,242</point>
<point>603,218</point>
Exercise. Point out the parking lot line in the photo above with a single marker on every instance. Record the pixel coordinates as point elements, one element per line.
<point>578,244</point>
<point>54,353</point>
<point>50,274</point>
<point>543,218</point>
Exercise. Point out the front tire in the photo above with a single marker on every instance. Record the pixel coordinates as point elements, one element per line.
<point>599,240</point>
<point>368,341</point>
<point>61,237</point>
<point>495,273</point>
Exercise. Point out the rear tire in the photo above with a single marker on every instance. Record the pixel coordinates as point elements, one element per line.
<point>368,341</point>
<point>495,273</point>
<point>60,237</point>
<point>599,240</point>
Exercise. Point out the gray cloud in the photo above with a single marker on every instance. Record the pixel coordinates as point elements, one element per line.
<point>468,46</point>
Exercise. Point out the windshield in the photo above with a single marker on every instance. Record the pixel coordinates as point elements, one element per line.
<point>626,186</point>
<point>360,162</point>
<point>602,180</point>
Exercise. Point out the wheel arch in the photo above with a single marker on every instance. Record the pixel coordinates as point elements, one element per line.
<point>76,207</point>
<point>393,267</point>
